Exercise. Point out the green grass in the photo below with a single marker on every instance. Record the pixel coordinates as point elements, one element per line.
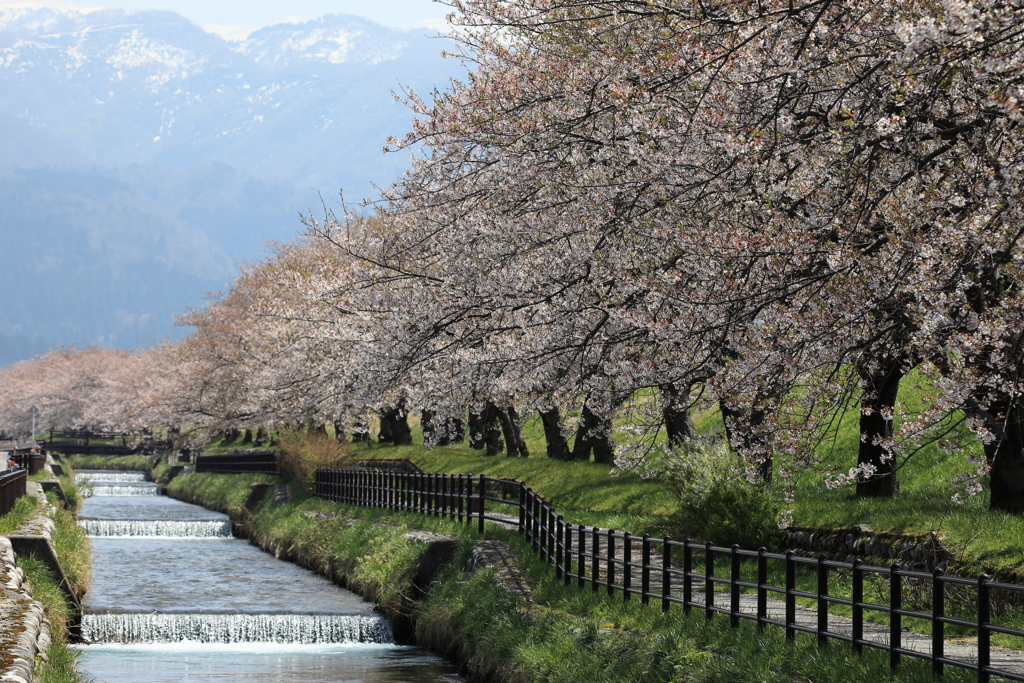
<point>60,666</point>
<point>73,549</point>
<point>110,462</point>
<point>568,635</point>
<point>24,507</point>
<point>222,492</point>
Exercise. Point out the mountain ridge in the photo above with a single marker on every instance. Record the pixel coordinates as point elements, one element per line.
<point>182,150</point>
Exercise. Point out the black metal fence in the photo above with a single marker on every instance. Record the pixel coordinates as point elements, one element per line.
<point>12,487</point>
<point>701,576</point>
<point>26,458</point>
<point>254,462</point>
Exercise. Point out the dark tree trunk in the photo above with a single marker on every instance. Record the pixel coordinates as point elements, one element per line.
<point>512,429</point>
<point>246,436</point>
<point>231,435</point>
<point>454,431</point>
<point>492,429</point>
<point>880,389</point>
<point>1005,455</point>
<point>360,432</point>
<point>731,417</point>
<point>557,445</point>
<point>401,435</point>
<point>476,431</point>
<point>387,426</point>
<point>262,437</point>
<point>594,434</point>
<point>676,413</point>
<point>427,425</point>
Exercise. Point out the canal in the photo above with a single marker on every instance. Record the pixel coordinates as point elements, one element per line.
<point>174,597</point>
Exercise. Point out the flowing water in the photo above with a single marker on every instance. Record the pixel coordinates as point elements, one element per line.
<point>174,597</point>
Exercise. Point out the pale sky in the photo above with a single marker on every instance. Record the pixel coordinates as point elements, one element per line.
<point>255,13</point>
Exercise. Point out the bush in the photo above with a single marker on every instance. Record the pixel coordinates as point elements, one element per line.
<point>717,502</point>
<point>303,453</point>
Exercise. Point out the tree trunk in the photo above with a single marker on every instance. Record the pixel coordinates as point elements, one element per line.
<point>491,422</point>
<point>557,445</point>
<point>676,413</point>
<point>1005,455</point>
<point>262,437</point>
<point>360,432</point>
<point>246,436</point>
<point>454,431</point>
<point>401,435</point>
<point>731,417</point>
<point>476,431</point>
<point>427,425</point>
<point>594,434</point>
<point>511,428</point>
<point>880,389</point>
<point>386,433</point>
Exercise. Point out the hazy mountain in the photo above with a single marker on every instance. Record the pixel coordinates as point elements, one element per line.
<point>139,155</point>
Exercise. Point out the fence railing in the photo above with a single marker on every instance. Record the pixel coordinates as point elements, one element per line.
<point>703,576</point>
<point>33,461</point>
<point>12,487</point>
<point>255,462</point>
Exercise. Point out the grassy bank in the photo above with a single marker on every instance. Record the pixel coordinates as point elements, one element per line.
<point>73,553</point>
<point>110,462</point>
<point>566,635</point>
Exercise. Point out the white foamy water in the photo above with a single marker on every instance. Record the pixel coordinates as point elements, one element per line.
<point>164,528</point>
<point>103,490</point>
<point>235,628</point>
<point>90,476</point>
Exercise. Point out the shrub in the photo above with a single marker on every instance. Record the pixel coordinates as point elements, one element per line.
<point>304,452</point>
<point>717,502</point>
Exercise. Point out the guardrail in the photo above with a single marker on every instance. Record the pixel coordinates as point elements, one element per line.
<point>255,462</point>
<point>669,571</point>
<point>33,461</point>
<point>12,487</point>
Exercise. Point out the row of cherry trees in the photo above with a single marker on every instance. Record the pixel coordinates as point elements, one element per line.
<point>631,207</point>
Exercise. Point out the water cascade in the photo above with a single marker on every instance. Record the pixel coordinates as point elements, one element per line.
<point>235,628</point>
<point>155,528</point>
<point>173,596</point>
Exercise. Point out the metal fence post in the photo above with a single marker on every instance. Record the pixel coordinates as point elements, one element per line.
<point>558,547</point>
<point>984,635</point>
<point>538,541</point>
<point>595,566</point>
<point>460,489</point>
<point>610,559</point>
<point>734,587</point>
<point>687,578</point>
<point>895,618</point>
<point>483,493</point>
<point>645,569</point>
<point>709,584</point>
<point>581,565</point>
<point>627,559</point>
<point>762,592</point>
<point>666,576</point>
<point>822,601</point>
<point>568,553</point>
<point>551,533</point>
<point>790,598</point>
<point>522,508</point>
<point>938,626</point>
<point>858,606</point>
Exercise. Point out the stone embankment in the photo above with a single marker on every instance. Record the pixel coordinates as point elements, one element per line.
<point>24,629</point>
